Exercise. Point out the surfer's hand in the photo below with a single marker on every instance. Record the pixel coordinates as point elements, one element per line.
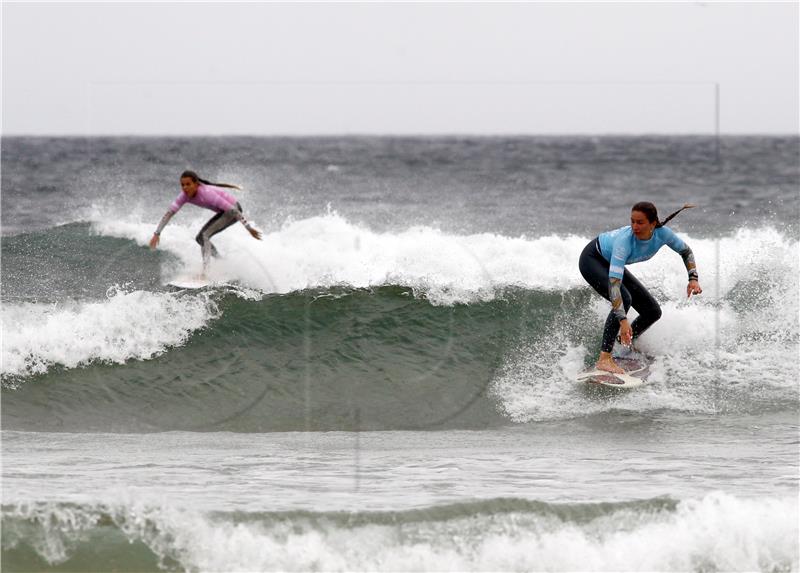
<point>154,242</point>
<point>255,233</point>
<point>693,288</point>
<point>625,333</point>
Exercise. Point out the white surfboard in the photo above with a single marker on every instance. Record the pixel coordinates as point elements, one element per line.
<point>190,282</point>
<point>636,370</point>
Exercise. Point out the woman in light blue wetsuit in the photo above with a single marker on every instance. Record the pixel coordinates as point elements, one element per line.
<point>602,264</point>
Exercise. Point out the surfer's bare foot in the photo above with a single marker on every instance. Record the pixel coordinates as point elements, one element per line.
<point>607,364</point>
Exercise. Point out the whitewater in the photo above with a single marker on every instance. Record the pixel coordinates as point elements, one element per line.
<point>328,251</point>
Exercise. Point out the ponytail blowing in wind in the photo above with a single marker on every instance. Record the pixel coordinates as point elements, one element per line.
<point>651,213</point>
<point>194,177</point>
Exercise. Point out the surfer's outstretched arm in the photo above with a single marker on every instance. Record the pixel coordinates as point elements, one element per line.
<point>163,223</point>
<point>691,267</point>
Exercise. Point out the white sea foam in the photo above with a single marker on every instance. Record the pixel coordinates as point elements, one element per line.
<point>718,532</point>
<point>705,362</point>
<point>328,250</point>
<point>125,326</point>
<point>736,342</point>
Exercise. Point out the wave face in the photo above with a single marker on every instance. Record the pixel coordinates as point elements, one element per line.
<point>319,359</point>
<point>333,326</point>
<point>660,534</point>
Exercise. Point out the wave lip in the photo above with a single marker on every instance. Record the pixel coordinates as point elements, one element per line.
<point>498,534</point>
<point>127,325</point>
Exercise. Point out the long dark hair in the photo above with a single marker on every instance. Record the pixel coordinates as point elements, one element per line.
<point>651,213</point>
<point>194,177</point>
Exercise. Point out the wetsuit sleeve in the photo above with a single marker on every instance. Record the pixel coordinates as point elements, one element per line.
<point>672,240</point>
<point>679,246</point>
<point>615,294</point>
<point>616,270</point>
<point>176,205</point>
<point>688,260</point>
<point>619,256</point>
<point>163,223</point>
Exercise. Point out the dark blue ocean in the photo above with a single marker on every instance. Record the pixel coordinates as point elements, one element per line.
<point>385,382</point>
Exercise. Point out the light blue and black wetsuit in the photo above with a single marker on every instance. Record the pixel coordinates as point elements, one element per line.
<point>602,264</point>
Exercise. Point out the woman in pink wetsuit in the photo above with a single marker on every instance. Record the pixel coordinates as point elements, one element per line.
<point>211,196</point>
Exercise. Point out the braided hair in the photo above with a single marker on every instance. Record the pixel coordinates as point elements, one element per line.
<point>194,177</point>
<point>651,213</point>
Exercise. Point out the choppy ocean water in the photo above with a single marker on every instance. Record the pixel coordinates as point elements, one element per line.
<point>383,383</point>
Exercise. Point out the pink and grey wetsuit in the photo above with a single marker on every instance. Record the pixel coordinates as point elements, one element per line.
<point>207,196</point>
<point>210,197</point>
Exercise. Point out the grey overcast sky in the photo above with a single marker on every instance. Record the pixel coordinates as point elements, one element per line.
<point>399,68</point>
